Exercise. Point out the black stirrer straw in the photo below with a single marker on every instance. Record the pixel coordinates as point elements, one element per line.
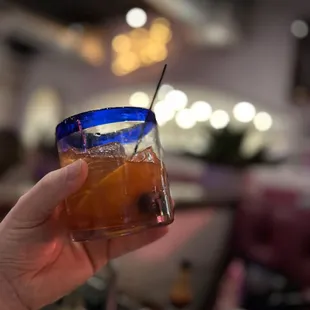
<point>150,108</point>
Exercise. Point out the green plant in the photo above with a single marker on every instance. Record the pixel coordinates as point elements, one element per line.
<point>225,148</point>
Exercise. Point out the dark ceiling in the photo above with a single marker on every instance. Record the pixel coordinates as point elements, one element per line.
<point>80,11</point>
<point>68,12</point>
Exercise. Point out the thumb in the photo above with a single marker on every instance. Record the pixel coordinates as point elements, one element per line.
<point>40,202</point>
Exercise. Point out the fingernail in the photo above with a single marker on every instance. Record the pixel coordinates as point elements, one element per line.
<point>74,170</point>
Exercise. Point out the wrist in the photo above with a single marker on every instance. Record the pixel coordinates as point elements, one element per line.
<point>9,299</point>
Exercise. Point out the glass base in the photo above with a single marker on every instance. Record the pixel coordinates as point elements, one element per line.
<point>114,232</point>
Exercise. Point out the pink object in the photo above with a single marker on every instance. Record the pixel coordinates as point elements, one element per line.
<point>297,251</point>
<point>256,236</point>
<point>273,228</point>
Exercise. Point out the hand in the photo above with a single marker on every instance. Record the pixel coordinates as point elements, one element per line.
<point>38,262</point>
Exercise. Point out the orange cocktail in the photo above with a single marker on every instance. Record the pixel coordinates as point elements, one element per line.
<point>126,190</point>
<point>119,195</point>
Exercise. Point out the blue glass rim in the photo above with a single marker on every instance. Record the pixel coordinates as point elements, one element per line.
<point>105,116</point>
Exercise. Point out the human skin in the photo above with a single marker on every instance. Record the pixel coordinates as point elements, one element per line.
<point>38,261</point>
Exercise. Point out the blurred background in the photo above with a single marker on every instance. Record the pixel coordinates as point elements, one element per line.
<point>233,117</point>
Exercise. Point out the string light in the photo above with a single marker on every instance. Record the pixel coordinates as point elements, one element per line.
<point>145,58</point>
<point>202,110</point>
<point>125,63</point>
<point>262,121</point>
<point>185,119</point>
<point>244,112</point>
<point>160,33</point>
<point>219,119</point>
<point>161,21</point>
<point>121,43</point>
<point>176,99</point>
<point>117,69</point>
<point>156,53</point>
<point>164,113</point>
<point>163,91</point>
<point>139,99</point>
<point>148,46</point>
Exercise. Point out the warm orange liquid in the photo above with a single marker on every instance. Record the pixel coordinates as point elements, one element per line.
<point>118,194</point>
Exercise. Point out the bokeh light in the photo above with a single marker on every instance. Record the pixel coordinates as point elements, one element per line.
<point>176,99</point>
<point>149,47</point>
<point>244,112</point>
<point>163,91</point>
<point>161,21</point>
<point>185,119</point>
<point>145,58</point>
<point>139,99</point>
<point>156,52</point>
<point>136,18</point>
<point>160,33</point>
<point>121,43</point>
<point>219,119</point>
<point>262,121</point>
<point>164,113</point>
<point>127,62</point>
<point>202,110</point>
<point>299,29</point>
<point>117,69</point>
<point>43,111</point>
<point>92,50</point>
<point>139,34</point>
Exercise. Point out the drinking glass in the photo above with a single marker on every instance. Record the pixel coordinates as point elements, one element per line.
<point>125,191</point>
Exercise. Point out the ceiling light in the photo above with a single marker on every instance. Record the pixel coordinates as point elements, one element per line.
<point>202,110</point>
<point>219,119</point>
<point>136,18</point>
<point>244,112</point>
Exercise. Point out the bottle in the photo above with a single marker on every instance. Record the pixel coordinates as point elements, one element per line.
<point>181,294</point>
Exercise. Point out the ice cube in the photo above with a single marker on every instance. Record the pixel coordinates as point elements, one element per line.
<point>111,150</point>
<point>104,159</point>
<point>147,155</point>
<point>70,156</point>
<point>101,160</point>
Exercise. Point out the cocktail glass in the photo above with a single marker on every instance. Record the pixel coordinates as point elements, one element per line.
<point>126,191</point>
